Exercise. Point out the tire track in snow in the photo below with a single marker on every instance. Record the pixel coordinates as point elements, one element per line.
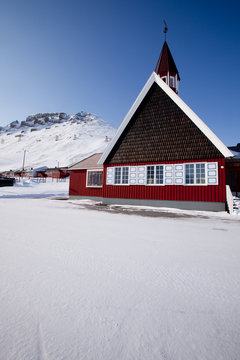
<point>41,349</point>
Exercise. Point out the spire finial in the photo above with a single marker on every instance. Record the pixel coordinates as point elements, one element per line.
<point>165,30</point>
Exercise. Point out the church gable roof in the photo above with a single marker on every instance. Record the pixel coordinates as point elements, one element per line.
<point>161,127</point>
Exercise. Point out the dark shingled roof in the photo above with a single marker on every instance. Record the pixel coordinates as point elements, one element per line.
<point>166,63</point>
<point>160,131</point>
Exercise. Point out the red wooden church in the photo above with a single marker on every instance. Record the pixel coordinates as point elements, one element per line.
<point>162,153</point>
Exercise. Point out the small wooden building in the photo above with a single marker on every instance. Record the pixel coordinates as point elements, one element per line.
<point>163,154</point>
<point>86,178</point>
<point>54,173</point>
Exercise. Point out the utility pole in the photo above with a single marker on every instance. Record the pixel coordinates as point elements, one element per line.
<point>24,154</point>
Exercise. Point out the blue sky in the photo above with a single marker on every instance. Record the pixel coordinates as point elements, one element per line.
<point>96,56</point>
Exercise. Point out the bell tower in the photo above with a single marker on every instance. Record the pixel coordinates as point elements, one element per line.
<point>166,67</point>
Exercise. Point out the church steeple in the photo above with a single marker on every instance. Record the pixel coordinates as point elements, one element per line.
<point>167,69</point>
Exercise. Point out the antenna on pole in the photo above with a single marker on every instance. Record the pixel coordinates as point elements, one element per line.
<point>165,30</point>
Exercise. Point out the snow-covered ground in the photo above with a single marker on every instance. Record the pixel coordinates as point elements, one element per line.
<point>35,188</point>
<point>80,284</point>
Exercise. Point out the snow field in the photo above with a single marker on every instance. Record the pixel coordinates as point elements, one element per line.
<point>80,284</point>
<point>32,188</point>
<point>65,143</point>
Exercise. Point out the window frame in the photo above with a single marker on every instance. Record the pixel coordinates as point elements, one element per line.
<point>172,78</point>
<point>121,175</point>
<point>94,171</point>
<point>114,177</point>
<point>155,173</point>
<point>199,169</point>
<point>205,174</point>
<point>195,174</point>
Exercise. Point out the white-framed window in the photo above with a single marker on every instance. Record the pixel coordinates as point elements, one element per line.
<point>117,176</point>
<point>171,82</point>
<point>155,175</point>
<point>150,175</point>
<point>189,174</point>
<point>159,174</point>
<point>125,171</point>
<point>121,175</point>
<point>198,174</point>
<point>94,178</point>
<point>195,174</point>
<point>164,78</point>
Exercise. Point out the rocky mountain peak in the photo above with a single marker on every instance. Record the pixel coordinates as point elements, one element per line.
<point>41,120</point>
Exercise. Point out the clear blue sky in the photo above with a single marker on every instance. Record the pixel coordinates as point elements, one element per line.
<point>69,55</point>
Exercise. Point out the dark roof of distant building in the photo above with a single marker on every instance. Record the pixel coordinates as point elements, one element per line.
<point>235,150</point>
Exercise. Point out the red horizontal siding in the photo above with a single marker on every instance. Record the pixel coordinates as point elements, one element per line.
<point>211,193</point>
<point>77,185</point>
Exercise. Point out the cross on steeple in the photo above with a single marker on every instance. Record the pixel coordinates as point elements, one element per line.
<point>165,30</point>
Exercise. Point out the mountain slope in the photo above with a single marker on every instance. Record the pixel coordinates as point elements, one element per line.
<point>52,138</point>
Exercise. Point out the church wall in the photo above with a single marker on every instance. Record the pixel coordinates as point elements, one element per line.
<point>193,193</point>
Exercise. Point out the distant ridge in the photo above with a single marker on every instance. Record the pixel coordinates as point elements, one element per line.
<point>52,138</point>
<point>41,120</point>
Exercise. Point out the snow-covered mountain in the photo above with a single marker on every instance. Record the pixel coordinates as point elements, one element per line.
<point>51,139</point>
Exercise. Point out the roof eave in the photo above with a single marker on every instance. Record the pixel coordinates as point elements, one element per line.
<point>87,168</point>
